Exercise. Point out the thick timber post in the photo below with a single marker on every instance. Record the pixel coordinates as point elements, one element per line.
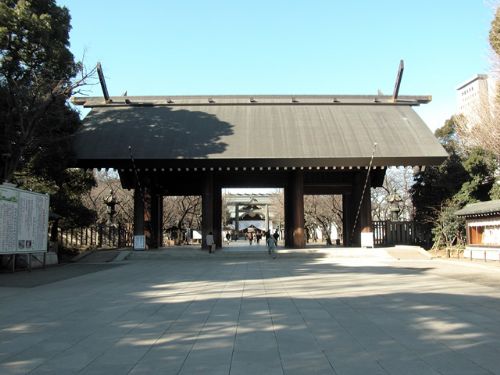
<point>217,214</point>
<point>207,208</point>
<point>361,206</point>
<point>237,220</point>
<point>294,211</point>
<point>346,219</point>
<point>138,212</point>
<point>156,239</point>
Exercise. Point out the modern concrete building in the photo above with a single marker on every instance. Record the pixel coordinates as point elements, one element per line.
<point>475,98</point>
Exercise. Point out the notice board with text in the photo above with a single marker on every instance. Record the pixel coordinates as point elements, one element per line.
<point>24,220</point>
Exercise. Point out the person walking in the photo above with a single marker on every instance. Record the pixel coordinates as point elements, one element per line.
<point>210,242</point>
<point>276,235</point>
<point>271,246</point>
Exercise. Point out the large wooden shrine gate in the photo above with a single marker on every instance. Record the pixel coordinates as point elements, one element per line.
<point>296,182</point>
<point>306,145</point>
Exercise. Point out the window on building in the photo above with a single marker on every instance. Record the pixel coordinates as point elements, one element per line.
<point>485,235</point>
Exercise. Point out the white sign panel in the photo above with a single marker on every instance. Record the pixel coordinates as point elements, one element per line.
<point>139,242</point>
<point>367,239</point>
<point>24,220</point>
<point>196,235</point>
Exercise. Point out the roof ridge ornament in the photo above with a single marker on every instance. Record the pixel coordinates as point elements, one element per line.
<point>103,83</point>
<point>399,77</point>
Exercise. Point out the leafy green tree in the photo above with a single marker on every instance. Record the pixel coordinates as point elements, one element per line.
<point>438,184</point>
<point>37,76</point>
<point>467,176</point>
<point>480,166</point>
<point>448,135</point>
<point>472,176</point>
<point>448,229</point>
<point>495,191</point>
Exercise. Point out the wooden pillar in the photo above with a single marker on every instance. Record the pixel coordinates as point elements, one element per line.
<point>138,213</point>
<point>160,221</point>
<point>148,228</point>
<point>346,219</point>
<point>156,204</point>
<point>207,208</point>
<point>299,239</point>
<point>140,223</point>
<point>217,214</point>
<point>365,214</point>
<point>267,218</point>
<point>288,216</point>
<point>362,203</point>
<point>237,219</point>
<point>355,232</point>
<point>294,211</point>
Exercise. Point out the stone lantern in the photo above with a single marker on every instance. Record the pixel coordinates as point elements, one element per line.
<point>110,201</point>
<point>394,206</point>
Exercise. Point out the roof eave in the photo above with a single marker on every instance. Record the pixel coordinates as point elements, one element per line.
<point>255,100</point>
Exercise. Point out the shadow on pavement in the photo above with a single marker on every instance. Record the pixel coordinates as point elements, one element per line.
<point>43,276</point>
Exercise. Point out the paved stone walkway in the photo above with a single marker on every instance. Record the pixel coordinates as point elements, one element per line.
<point>228,315</point>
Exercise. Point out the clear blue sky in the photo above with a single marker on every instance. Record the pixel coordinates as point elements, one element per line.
<point>285,46</point>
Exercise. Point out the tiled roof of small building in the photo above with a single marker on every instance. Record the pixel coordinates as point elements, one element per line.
<point>487,208</point>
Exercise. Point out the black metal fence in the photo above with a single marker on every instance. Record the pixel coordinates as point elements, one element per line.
<point>98,236</point>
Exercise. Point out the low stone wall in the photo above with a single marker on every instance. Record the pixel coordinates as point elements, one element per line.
<point>37,260</point>
<point>484,253</point>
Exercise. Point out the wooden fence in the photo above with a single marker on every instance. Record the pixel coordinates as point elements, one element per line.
<point>387,233</point>
<point>99,236</point>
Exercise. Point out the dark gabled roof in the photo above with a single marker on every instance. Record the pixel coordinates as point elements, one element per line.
<point>227,130</point>
<point>488,208</point>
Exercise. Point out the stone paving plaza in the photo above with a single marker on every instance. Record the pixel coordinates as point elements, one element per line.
<point>231,314</point>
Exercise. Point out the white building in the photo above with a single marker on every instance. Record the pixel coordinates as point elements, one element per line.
<point>475,98</point>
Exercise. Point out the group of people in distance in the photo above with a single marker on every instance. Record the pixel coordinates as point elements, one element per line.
<point>271,241</point>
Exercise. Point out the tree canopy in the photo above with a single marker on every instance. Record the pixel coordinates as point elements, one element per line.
<point>38,74</point>
<point>467,176</point>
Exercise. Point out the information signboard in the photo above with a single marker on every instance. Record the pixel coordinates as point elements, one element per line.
<point>24,220</point>
<point>367,239</point>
